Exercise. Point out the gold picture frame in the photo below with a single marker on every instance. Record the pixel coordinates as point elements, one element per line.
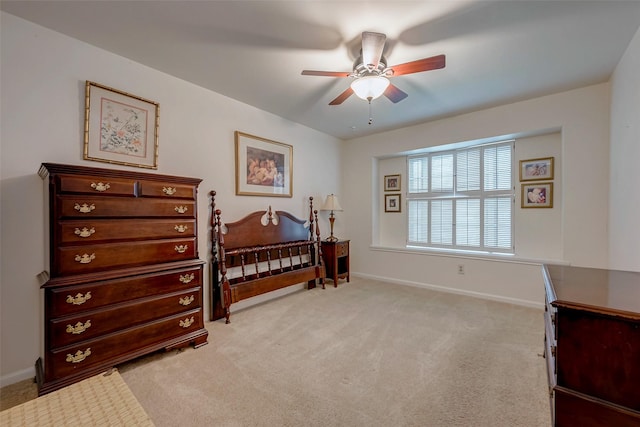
<point>537,195</point>
<point>392,203</point>
<point>536,169</point>
<point>263,167</point>
<point>392,183</point>
<point>120,128</point>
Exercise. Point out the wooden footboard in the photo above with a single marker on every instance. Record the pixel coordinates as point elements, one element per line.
<point>262,252</point>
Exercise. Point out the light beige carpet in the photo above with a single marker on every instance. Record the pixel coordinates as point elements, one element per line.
<point>102,400</point>
<point>365,354</point>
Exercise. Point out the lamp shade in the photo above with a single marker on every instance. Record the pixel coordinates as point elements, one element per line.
<point>331,204</point>
<point>370,87</point>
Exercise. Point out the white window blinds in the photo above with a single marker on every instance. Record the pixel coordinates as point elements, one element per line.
<point>462,199</point>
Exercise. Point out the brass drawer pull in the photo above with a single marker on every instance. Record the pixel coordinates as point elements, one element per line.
<point>85,258</point>
<point>186,300</point>
<point>181,209</point>
<point>181,248</point>
<point>180,228</point>
<point>78,328</point>
<point>187,278</point>
<point>100,186</point>
<point>169,191</point>
<point>85,232</point>
<point>187,322</point>
<point>79,356</point>
<point>84,208</point>
<point>78,299</point>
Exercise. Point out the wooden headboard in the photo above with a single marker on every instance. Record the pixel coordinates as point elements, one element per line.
<point>262,252</point>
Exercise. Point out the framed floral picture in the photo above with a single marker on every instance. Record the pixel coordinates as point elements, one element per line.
<point>536,169</point>
<point>120,128</point>
<point>263,167</point>
<point>537,195</point>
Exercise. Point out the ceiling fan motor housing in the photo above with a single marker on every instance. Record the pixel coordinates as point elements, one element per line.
<point>362,70</point>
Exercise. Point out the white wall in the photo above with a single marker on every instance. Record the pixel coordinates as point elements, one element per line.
<point>43,77</point>
<point>624,201</point>
<point>582,116</point>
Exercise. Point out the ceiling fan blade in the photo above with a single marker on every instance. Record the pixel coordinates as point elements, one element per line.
<point>342,97</point>
<point>326,73</point>
<point>394,94</point>
<point>418,66</point>
<point>372,47</point>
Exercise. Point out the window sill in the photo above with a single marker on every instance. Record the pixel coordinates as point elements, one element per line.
<point>499,257</point>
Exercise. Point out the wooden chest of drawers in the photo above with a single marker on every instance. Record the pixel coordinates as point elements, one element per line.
<point>592,346</point>
<point>125,278</point>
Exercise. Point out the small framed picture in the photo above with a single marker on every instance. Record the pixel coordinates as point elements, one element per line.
<point>536,169</point>
<point>392,183</point>
<point>537,195</point>
<point>392,202</point>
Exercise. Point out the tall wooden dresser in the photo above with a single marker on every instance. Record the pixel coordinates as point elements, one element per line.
<point>124,275</point>
<point>592,346</point>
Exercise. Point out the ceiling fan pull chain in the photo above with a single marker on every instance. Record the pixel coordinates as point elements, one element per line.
<point>370,116</point>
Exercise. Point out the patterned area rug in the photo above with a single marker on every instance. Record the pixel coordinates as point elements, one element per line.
<point>102,400</point>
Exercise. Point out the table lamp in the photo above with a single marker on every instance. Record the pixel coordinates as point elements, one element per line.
<point>331,204</point>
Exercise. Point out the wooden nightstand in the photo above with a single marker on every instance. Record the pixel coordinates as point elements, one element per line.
<point>336,260</point>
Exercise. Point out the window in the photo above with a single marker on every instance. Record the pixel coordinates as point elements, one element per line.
<point>462,199</point>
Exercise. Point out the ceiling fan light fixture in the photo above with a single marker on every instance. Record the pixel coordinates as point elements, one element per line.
<point>370,87</point>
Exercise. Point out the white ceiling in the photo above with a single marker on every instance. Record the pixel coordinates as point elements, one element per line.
<point>253,51</point>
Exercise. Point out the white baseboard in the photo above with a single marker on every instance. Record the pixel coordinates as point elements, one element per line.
<point>482,295</point>
<point>15,377</point>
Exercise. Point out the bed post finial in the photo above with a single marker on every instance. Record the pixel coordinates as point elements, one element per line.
<point>213,209</point>
<point>310,217</point>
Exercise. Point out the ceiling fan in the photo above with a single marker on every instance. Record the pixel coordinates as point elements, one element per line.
<point>371,72</point>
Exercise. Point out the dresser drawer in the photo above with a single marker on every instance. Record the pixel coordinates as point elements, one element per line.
<point>94,230</point>
<point>71,359</point>
<point>96,185</point>
<point>342,249</point>
<point>573,409</point>
<point>73,329</point>
<point>96,206</point>
<point>159,189</point>
<point>92,258</point>
<point>68,300</point>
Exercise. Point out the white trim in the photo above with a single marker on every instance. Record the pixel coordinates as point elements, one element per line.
<point>481,295</point>
<point>454,253</point>
<point>18,376</point>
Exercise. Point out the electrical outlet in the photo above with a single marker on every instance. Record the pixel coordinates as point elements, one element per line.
<point>460,268</point>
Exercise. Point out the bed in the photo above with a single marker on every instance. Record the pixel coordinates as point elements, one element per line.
<point>260,253</point>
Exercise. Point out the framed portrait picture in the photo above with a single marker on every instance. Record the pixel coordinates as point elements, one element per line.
<point>536,169</point>
<point>392,203</point>
<point>537,195</point>
<point>263,167</point>
<point>120,128</point>
<point>392,183</point>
